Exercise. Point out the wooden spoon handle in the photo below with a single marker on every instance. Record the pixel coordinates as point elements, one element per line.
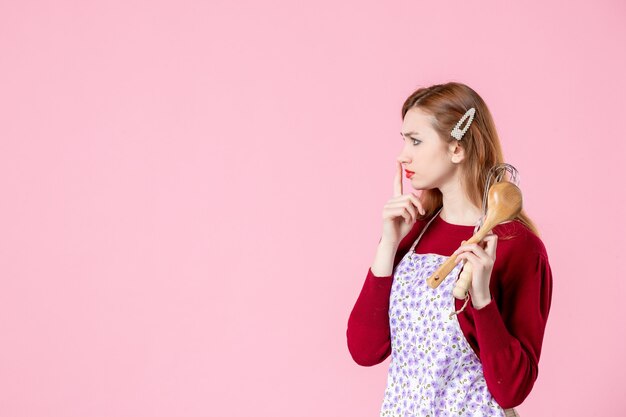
<point>442,272</point>
<point>437,277</point>
<point>505,203</point>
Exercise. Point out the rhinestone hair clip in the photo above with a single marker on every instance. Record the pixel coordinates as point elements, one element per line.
<point>457,133</point>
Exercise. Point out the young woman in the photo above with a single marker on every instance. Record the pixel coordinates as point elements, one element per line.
<point>483,360</point>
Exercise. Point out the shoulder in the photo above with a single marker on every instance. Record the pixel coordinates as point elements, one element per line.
<point>515,236</point>
<point>521,260</point>
<point>519,252</point>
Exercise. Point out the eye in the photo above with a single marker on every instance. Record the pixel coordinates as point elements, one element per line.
<point>416,140</point>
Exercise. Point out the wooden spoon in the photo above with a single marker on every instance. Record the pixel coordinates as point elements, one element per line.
<point>503,203</point>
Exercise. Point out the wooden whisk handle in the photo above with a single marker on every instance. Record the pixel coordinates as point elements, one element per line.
<point>464,282</point>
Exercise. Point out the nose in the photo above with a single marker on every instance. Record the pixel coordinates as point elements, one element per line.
<point>402,159</point>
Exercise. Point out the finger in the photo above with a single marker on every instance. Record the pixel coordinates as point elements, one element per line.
<point>465,247</point>
<point>481,252</point>
<point>459,250</point>
<point>476,251</point>
<point>404,203</point>
<point>488,238</point>
<point>471,258</point>
<point>416,201</point>
<point>397,182</point>
<point>401,212</point>
<point>492,244</point>
<point>413,211</point>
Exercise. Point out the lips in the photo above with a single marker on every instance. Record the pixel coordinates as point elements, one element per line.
<point>408,173</point>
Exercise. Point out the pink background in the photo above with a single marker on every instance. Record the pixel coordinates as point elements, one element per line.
<point>192,194</point>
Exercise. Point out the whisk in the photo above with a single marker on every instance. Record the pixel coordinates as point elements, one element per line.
<point>502,201</point>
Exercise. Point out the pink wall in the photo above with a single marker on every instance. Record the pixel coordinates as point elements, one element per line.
<point>192,193</point>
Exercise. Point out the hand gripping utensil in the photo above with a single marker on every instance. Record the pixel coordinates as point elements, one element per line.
<point>504,202</point>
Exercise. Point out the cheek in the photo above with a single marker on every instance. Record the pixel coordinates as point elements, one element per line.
<point>429,160</point>
<point>431,166</point>
<point>426,162</point>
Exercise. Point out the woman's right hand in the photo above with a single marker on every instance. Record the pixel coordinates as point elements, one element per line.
<point>400,212</point>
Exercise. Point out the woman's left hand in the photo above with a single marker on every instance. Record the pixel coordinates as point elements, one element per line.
<point>482,261</point>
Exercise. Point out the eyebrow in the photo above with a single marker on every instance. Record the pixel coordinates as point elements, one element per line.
<point>409,133</point>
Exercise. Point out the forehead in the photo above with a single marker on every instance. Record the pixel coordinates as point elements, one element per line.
<point>416,120</point>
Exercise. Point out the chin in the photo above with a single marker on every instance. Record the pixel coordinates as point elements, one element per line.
<point>420,186</point>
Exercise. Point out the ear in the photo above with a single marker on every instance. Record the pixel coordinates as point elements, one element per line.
<point>456,152</point>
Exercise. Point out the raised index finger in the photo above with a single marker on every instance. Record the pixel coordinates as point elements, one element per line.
<point>397,181</point>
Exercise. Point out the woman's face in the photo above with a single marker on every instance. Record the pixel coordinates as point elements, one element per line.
<point>433,161</point>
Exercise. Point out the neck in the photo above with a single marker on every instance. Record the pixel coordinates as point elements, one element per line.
<point>457,208</point>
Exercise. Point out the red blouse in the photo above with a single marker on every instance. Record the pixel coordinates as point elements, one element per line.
<point>506,334</point>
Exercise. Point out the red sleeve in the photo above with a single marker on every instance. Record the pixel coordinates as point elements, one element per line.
<point>510,336</point>
<point>368,331</point>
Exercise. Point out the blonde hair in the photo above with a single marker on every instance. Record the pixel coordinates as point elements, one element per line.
<point>447,103</point>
